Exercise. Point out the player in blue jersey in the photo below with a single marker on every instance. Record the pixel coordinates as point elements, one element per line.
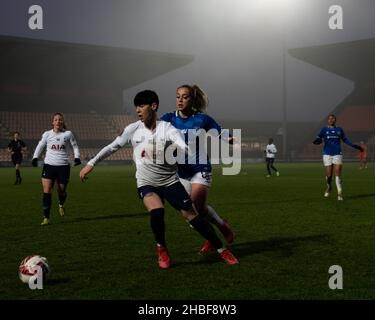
<point>332,154</point>
<point>191,102</point>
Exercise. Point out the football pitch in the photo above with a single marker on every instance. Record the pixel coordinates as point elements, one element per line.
<point>288,235</point>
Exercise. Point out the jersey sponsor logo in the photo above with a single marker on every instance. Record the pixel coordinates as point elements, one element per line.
<point>58,147</point>
<point>207,176</point>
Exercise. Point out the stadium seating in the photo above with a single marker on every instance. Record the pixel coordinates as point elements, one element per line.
<point>119,121</point>
<point>359,118</point>
<point>4,155</point>
<point>90,130</point>
<point>123,154</point>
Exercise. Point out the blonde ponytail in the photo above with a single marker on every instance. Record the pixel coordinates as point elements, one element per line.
<point>200,99</point>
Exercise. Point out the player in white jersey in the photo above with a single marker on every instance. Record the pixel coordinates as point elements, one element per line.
<point>270,157</point>
<point>156,174</point>
<point>56,163</point>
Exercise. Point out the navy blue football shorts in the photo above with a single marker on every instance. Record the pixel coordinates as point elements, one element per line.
<point>175,194</point>
<point>60,174</point>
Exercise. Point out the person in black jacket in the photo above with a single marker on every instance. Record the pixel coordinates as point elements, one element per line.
<point>16,147</point>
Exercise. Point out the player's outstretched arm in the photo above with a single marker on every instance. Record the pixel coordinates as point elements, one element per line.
<point>84,172</point>
<point>39,148</point>
<point>356,146</point>
<point>349,143</point>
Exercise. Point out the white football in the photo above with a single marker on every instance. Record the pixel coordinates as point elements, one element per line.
<point>30,265</point>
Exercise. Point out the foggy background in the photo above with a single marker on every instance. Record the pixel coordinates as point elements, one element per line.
<point>237,47</point>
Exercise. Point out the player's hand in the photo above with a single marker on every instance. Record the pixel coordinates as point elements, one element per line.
<point>34,162</point>
<point>77,161</point>
<point>358,147</point>
<point>317,141</point>
<point>84,172</point>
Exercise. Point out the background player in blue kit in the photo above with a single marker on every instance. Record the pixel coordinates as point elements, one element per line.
<point>332,153</point>
<point>191,102</point>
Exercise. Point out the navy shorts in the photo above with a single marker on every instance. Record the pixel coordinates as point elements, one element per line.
<point>16,158</point>
<point>175,194</point>
<point>60,174</point>
<point>270,161</point>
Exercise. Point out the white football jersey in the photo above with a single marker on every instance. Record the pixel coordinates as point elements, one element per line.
<point>57,143</point>
<point>154,160</point>
<point>271,151</point>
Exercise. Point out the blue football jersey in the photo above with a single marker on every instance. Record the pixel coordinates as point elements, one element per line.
<point>332,140</point>
<point>196,121</point>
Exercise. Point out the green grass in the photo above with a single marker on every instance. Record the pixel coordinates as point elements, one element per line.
<point>288,236</point>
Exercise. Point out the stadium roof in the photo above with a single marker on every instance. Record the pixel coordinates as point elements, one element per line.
<point>355,61</point>
<point>81,64</point>
<point>352,60</point>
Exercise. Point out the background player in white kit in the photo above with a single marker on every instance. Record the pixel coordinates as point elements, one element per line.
<point>56,163</point>
<point>270,157</point>
<point>158,180</point>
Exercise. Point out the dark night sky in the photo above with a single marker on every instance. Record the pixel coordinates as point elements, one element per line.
<point>237,46</point>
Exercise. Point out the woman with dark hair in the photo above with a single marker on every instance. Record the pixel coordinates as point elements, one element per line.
<point>332,153</point>
<point>157,181</point>
<point>56,163</point>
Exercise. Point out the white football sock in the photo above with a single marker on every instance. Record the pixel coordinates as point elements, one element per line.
<point>214,217</point>
<point>338,185</point>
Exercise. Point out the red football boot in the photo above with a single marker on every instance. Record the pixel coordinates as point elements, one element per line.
<point>206,247</point>
<point>228,257</point>
<point>163,257</point>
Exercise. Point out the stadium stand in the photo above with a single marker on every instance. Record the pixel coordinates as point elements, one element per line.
<point>92,131</point>
<point>74,79</point>
<point>356,112</point>
<point>32,124</point>
<point>4,155</point>
<point>118,121</point>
